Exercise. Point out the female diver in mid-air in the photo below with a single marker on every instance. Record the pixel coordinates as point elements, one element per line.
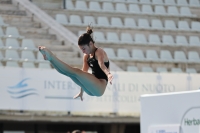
<point>96,58</point>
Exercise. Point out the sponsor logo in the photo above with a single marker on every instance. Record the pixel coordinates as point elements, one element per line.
<point>190,121</point>
<point>21,90</point>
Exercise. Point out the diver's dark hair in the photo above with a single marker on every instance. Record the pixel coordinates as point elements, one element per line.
<point>86,37</point>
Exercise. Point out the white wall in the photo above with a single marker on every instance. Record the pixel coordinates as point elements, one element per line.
<point>46,89</point>
<point>171,109</point>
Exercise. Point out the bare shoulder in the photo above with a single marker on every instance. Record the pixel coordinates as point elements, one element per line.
<point>100,51</point>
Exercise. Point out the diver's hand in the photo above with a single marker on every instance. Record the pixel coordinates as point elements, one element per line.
<point>80,94</point>
<point>110,78</point>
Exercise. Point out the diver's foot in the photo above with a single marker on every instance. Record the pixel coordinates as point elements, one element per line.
<point>45,52</point>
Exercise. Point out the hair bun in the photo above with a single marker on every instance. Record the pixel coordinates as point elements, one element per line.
<point>89,30</point>
<point>85,38</point>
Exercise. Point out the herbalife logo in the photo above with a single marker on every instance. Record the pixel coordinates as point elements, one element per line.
<point>21,90</point>
<point>191,122</point>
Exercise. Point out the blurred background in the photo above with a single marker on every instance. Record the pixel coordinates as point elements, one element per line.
<point>140,37</point>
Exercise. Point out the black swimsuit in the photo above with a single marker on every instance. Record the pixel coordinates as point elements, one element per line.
<point>96,70</point>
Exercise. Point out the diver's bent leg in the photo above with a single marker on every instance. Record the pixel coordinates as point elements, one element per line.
<point>59,70</point>
<point>74,79</point>
<point>91,83</point>
<point>87,80</point>
<point>79,83</point>
<point>63,67</point>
